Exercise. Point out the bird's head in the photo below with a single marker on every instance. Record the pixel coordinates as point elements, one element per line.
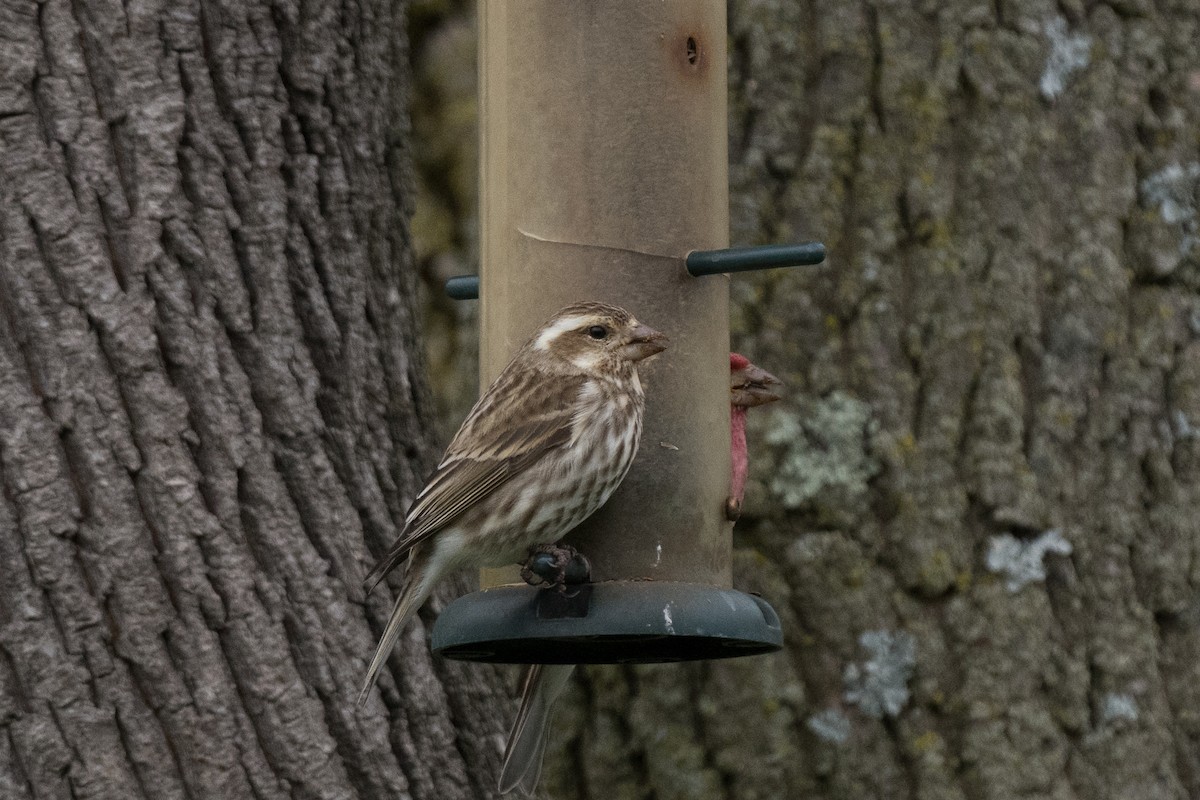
<point>750,385</point>
<point>596,338</point>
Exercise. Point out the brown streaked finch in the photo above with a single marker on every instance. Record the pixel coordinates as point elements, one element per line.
<point>749,386</point>
<point>542,449</point>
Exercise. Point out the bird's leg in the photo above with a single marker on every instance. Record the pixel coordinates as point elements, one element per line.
<point>556,566</point>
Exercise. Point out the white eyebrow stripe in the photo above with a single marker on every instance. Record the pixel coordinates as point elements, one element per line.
<point>558,329</point>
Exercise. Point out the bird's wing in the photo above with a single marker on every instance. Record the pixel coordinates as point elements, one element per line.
<point>514,424</point>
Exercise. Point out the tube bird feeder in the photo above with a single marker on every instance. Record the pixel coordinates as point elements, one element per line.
<point>603,165</point>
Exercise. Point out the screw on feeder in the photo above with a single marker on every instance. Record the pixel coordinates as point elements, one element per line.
<point>700,263</point>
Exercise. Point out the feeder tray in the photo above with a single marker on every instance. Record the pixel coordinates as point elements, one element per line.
<point>613,622</point>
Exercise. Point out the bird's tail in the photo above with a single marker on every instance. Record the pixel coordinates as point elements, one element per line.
<point>527,740</point>
<point>417,587</point>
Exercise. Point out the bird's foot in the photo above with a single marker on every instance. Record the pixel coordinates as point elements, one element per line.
<point>556,566</point>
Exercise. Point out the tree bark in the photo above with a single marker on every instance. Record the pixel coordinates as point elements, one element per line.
<point>976,510</point>
<point>212,409</point>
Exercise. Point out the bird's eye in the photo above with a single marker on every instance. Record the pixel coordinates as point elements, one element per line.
<point>598,332</point>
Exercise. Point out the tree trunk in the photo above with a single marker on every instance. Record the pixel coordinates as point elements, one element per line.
<point>212,409</point>
<point>977,509</point>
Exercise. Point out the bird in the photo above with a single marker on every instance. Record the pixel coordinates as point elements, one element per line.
<point>542,448</point>
<point>749,386</point>
<point>541,684</point>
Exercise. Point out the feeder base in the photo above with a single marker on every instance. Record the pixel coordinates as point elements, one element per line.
<point>614,622</point>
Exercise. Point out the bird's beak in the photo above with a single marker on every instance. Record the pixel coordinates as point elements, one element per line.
<point>752,387</point>
<point>643,342</point>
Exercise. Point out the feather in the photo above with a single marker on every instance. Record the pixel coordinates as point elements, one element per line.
<point>527,741</point>
<point>417,587</point>
<point>488,450</point>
